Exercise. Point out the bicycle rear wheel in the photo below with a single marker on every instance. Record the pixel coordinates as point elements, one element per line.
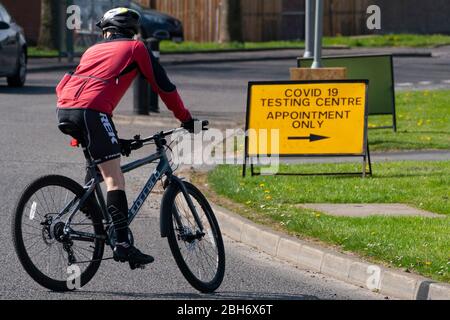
<point>199,254</point>
<point>55,263</point>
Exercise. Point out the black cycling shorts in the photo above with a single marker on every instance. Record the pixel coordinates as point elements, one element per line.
<point>99,131</point>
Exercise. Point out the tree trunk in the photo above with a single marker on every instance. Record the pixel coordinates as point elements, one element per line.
<point>230,21</point>
<point>48,33</point>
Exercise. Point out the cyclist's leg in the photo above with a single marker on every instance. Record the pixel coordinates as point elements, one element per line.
<point>103,146</point>
<point>112,175</point>
<point>117,205</point>
<point>116,199</point>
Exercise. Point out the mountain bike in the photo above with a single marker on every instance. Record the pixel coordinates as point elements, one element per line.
<point>59,225</point>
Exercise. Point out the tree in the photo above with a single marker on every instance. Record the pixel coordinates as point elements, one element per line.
<point>230,21</point>
<point>48,33</point>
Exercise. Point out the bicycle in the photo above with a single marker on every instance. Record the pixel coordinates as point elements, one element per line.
<point>73,221</point>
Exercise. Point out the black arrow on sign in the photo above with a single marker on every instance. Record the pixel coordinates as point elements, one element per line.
<point>311,138</point>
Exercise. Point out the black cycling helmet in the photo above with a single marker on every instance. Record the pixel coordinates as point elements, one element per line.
<point>122,20</point>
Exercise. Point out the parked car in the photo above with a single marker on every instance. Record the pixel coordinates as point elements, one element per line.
<point>13,50</point>
<point>153,21</point>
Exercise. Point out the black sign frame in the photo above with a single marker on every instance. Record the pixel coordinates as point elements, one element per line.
<point>366,151</point>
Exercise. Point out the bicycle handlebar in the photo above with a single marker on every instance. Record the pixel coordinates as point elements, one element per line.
<point>139,143</point>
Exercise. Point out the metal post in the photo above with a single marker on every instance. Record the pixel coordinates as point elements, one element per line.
<point>141,95</point>
<point>309,29</point>
<point>153,96</point>
<point>318,35</point>
<point>69,37</point>
<point>60,27</point>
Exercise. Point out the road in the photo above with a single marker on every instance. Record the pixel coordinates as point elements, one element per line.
<point>219,90</point>
<point>32,146</point>
<point>226,83</point>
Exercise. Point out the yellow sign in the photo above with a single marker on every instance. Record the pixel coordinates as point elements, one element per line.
<point>307,118</point>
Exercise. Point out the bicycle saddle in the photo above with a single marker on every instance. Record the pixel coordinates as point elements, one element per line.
<point>71,129</point>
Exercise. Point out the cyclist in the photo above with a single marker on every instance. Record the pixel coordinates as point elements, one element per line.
<point>89,96</point>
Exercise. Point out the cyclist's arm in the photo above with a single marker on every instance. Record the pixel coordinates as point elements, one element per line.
<point>160,83</point>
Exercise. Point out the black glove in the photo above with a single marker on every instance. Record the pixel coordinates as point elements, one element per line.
<point>125,147</point>
<point>190,125</point>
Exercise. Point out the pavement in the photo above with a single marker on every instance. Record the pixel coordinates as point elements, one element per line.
<point>369,209</point>
<point>420,155</point>
<point>45,64</point>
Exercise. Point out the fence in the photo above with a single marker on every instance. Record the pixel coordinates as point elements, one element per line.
<point>261,20</point>
<point>345,17</point>
<point>201,18</point>
<point>264,20</point>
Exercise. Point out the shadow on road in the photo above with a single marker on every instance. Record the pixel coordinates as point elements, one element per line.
<point>29,90</point>
<point>223,295</point>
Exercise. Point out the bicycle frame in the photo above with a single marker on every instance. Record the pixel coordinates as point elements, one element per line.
<point>93,187</point>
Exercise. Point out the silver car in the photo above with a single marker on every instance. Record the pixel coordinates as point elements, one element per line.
<point>13,50</point>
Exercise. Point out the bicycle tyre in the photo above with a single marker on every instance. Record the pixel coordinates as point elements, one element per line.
<point>18,239</point>
<point>168,205</point>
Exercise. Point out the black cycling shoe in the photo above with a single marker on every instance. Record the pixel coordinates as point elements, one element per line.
<point>136,258</point>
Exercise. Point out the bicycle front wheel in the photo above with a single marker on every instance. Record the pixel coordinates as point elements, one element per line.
<point>199,253</point>
<point>53,260</point>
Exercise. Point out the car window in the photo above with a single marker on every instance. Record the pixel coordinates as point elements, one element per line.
<point>4,16</point>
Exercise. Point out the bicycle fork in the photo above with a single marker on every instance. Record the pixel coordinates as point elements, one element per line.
<point>187,197</point>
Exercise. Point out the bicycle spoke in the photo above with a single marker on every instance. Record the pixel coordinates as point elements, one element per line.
<point>28,225</point>
<point>53,200</point>
<point>37,253</point>
<point>32,237</point>
<point>36,211</point>
<point>79,252</point>
<point>85,249</point>
<point>45,200</point>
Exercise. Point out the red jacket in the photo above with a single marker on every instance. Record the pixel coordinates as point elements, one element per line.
<point>105,73</point>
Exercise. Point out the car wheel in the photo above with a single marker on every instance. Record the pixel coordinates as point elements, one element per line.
<point>18,79</point>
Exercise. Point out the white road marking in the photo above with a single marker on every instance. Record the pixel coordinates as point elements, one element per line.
<point>425,83</point>
<point>405,84</point>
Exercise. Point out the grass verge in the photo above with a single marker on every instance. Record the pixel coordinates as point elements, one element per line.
<point>410,243</point>
<point>390,40</point>
<point>423,119</point>
<point>38,52</point>
<point>372,41</point>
